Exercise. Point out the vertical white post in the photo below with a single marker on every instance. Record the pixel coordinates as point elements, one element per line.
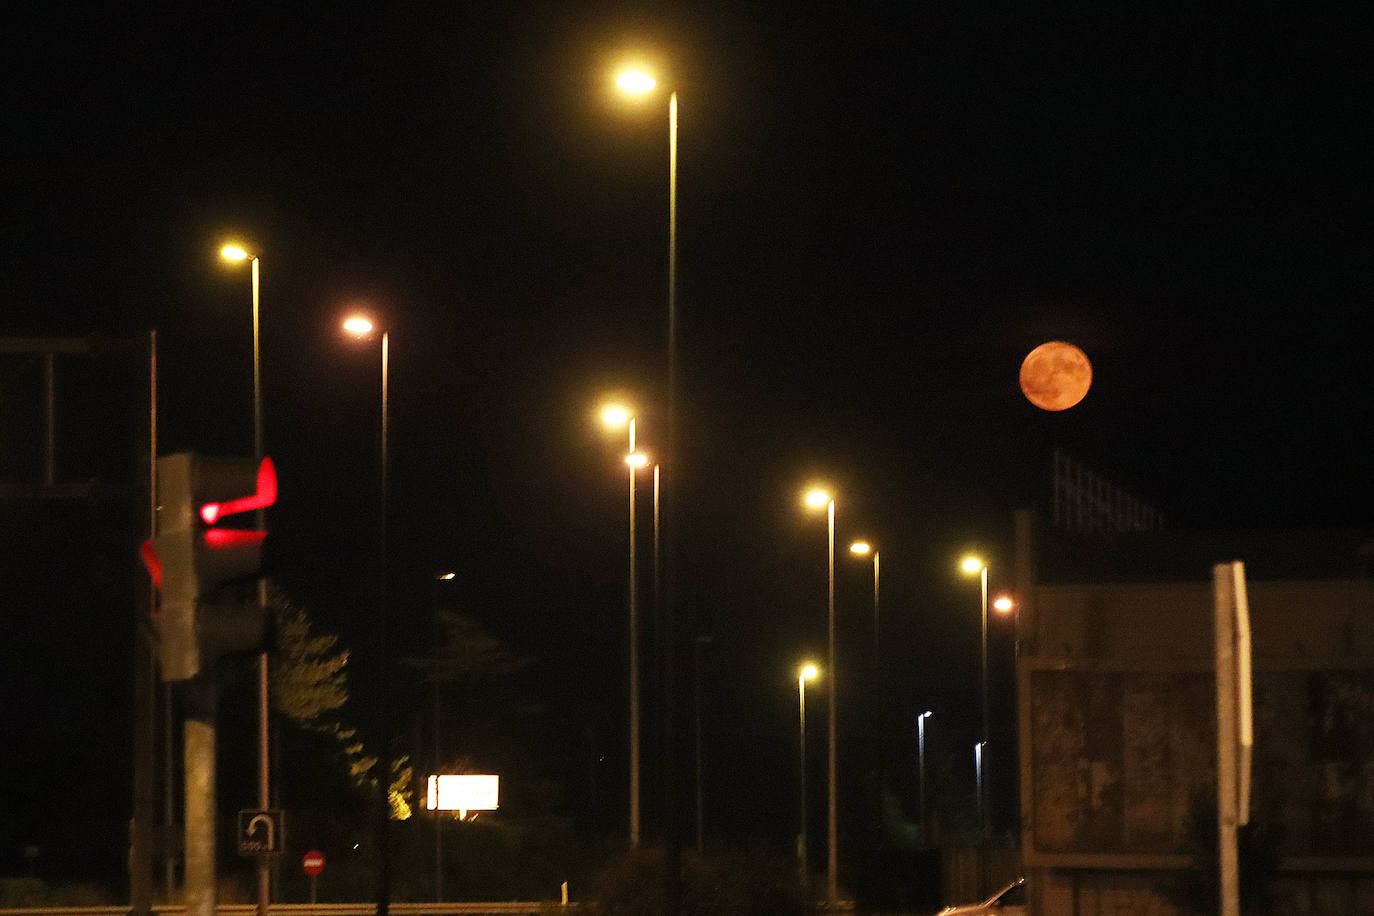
<point>1224,585</point>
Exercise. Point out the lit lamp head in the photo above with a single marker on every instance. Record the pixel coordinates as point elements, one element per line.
<point>636,459</point>
<point>972,565</point>
<point>926,715</point>
<point>615,415</point>
<point>360,326</point>
<point>861,548</point>
<point>809,672</point>
<point>446,577</point>
<point>635,82</point>
<point>1003,604</point>
<point>817,498</point>
<point>234,252</point>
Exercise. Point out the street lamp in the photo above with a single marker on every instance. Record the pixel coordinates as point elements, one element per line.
<point>363,327</point>
<point>974,565</point>
<point>438,746</point>
<point>817,498</point>
<point>235,253</point>
<point>807,672</point>
<point>639,83</point>
<point>978,772</point>
<point>921,763</point>
<point>863,549</point>
<point>616,416</point>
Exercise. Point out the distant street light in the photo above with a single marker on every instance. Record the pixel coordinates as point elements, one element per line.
<point>807,672</point>
<point>921,763</point>
<point>637,82</point>
<point>616,416</point>
<point>863,549</point>
<point>362,327</point>
<point>237,253</point>
<point>978,767</point>
<point>972,565</point>
<point>817,498</point>
<point>438,745</point>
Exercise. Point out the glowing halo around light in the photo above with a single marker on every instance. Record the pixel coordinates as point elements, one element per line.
<point>1056,375</point>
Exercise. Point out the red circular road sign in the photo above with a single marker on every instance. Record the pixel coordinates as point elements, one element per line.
<point>313,863</point>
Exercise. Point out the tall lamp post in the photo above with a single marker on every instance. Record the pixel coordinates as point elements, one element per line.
<point>438,752</point>
<point>639,83</point>
<point>237,254</point>
<point>807,672</point>
<point>974,565</point>
<point>818,498</point>
<point>363,327</point>
<point>616,416</point>
<point>921,764</point>
<point>863,549</point>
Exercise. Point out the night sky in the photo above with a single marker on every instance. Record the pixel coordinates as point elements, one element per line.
<point>882,209</point>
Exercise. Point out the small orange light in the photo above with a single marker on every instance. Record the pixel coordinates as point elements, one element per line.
<point>1003,604</point>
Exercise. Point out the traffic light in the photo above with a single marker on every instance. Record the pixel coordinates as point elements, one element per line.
<point>199,565</point>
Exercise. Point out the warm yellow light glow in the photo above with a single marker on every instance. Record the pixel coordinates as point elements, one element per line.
<point>861,548</point>
<point>446,576</point>
<point>817,498</point>
<point>614,415</point>
<point>1003,604</point>
<point>358,325</point>
<point>636,82</point>
<point>636,459</point>
<point>809,672</point>
<point>234,253</point>
<point>972,565</point>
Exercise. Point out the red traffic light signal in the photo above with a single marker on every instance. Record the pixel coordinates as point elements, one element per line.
<point>192,564</point>
<point>264,496</point>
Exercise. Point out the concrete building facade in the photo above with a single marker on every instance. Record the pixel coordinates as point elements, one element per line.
<point>1117,720</point>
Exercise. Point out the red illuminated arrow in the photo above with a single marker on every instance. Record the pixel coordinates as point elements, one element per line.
<point>266,496</point>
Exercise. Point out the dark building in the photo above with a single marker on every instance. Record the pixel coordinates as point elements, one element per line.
<point>1116,699</point>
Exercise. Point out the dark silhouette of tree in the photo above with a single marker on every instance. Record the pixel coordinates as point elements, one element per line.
<point>309,688</point>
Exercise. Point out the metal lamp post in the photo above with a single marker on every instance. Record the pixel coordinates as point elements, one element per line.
<point>237,253</point>
<point>817,499</point>
<point>362,327</point>
<point>806,673</point>
<point>974,565</point>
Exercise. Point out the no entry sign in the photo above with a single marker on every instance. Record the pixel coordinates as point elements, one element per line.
<point>313,863</point>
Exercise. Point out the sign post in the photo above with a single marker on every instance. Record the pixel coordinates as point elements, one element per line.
<point>312,865</point>
<point>1235,724</point>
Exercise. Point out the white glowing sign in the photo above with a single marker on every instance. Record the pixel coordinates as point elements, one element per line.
<point>462,792</point>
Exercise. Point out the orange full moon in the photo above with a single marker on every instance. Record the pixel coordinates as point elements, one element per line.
<point>1056,375</point>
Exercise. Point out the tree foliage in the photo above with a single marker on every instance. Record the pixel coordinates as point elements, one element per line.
<point>309,680</point>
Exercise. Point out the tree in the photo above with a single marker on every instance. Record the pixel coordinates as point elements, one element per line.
<point>309,678</point>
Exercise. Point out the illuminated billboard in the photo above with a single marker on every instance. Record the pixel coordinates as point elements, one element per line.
<point>462,792</point>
